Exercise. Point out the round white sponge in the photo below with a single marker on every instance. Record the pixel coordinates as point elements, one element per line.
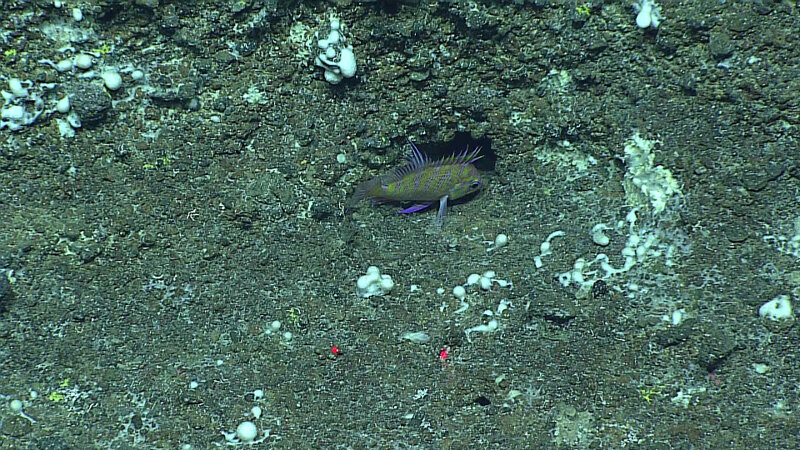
<point>247,431</point>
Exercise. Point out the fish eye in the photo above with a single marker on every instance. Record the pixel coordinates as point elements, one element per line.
<point>475,185</point>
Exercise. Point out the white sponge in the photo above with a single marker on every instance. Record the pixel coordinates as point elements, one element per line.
<point>648,14</point>
<point>336,56</point>
<point>373,283</point>
<point>779,308</point>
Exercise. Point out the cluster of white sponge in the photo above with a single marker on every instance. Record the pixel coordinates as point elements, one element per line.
<point>648,14</point>
<point>336,56</point>
<point>647,185</point>
<point>21,107</point>
<point>373,283</point>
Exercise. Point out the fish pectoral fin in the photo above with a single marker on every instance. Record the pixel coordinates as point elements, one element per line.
<point>415,208</point>
<point>442,210</point>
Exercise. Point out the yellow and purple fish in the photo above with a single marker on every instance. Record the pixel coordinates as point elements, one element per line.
<point>424,182</point>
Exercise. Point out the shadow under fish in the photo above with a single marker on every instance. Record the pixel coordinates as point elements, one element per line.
<point>424,182</point>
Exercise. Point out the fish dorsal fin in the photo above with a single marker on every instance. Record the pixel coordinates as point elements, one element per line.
<point>419,161</point>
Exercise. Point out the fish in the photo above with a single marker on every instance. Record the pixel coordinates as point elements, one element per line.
<point>424,182</point>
